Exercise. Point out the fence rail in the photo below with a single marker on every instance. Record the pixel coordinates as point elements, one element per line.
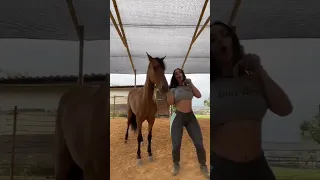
<point>118,106</point>
<point>27,142</point>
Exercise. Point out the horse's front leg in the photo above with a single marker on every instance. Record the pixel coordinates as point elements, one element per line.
<point>139,127</point>
<point>150,125</point>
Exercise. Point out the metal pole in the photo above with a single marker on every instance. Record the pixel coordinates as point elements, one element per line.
<point>13,146</point>
<point>135,78</point>
<point>81,46</point>
<point>114,106</point>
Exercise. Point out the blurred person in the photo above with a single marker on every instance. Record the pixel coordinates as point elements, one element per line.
<point>242,92</point>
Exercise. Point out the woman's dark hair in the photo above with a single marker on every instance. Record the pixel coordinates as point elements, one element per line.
<point>237,51</point>
<point>174,82</point>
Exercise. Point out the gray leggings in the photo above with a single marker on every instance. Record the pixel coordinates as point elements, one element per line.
<point>189,121</point>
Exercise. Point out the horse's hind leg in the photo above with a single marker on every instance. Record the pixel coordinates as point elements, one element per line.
<point>129,117</point>
<point>127,132</point>
<point>139,126</point>
<point>150,125</point>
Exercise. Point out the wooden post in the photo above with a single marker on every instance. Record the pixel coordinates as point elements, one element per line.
<point>13,146</point>
<point>114,106</point>
<point>81,46</point>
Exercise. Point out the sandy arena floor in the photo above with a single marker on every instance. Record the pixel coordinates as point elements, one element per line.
<point>123,156</point>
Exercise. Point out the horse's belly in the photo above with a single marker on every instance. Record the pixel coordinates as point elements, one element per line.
<point>75,142</point>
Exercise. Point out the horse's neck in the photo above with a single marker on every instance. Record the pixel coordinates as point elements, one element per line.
<point>148,89</point>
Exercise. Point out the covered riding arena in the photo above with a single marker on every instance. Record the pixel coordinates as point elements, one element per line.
<point>267,28</point>
<point>180,31</point>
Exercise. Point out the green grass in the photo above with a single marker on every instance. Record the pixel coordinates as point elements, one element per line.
<point>296,174</point>
<point>199,116</point>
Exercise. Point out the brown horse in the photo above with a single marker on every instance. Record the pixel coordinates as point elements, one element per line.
<point>82,134</point>
<point>142,104</point>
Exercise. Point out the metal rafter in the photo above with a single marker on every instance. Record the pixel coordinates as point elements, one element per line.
<point>196,33</point>
<point>121,32</point>
<point>74,18</point>
<point>80,32</point>
<point>234,13</point>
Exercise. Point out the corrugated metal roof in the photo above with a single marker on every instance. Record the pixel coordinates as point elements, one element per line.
<point>52,79</point>
<point>38,19</point>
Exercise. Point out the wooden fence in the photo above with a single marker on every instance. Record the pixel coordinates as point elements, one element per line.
<point>118,106</point>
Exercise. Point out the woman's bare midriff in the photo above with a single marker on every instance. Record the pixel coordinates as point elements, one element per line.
<point>184,106</point>
<point>237,141</point>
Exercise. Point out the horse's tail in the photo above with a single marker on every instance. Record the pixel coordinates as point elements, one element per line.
<point>133,120</point>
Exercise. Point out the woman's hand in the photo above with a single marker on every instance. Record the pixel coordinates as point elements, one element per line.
<point>250,63</point>
<point>277,99</point>
<point>195,91</point>
<point>187,81</point>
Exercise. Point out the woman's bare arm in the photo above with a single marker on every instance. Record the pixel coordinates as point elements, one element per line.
<point>170,98</point>
<point>278,101</point>
<point>195,91</point>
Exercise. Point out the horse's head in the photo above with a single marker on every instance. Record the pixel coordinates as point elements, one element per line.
<point>156,70</point>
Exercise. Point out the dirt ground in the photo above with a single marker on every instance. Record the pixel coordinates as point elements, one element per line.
<point>123,156</point>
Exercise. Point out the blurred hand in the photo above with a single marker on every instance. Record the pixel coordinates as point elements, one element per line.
<point>250,62</point>
<point>188,81</point>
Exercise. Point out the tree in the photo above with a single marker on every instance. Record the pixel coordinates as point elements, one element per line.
<point>304,126</point>
<point>314,129</point>
<point>207,102</point>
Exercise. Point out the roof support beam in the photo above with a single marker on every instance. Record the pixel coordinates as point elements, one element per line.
<point>121,32</point>
<point>195,34</point>
<point>74,18</point>
<point>234,13</point>
<point>80,32</point>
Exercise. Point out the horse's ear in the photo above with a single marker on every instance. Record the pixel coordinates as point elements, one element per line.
<point>163,58</point>
<point>149,57</point>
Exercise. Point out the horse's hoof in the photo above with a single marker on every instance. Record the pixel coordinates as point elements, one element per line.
<point>150,158</point>
<point>125,141</point>
<point>139,162</point>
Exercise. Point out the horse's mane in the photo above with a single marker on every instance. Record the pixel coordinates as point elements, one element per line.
<point>161,62</point>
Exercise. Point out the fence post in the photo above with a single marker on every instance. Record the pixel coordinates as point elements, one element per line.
<point>13,146</point>
<point>114,106</point>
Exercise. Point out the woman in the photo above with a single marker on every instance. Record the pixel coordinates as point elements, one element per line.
<point>241,93</point>
<point>181,93</point>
